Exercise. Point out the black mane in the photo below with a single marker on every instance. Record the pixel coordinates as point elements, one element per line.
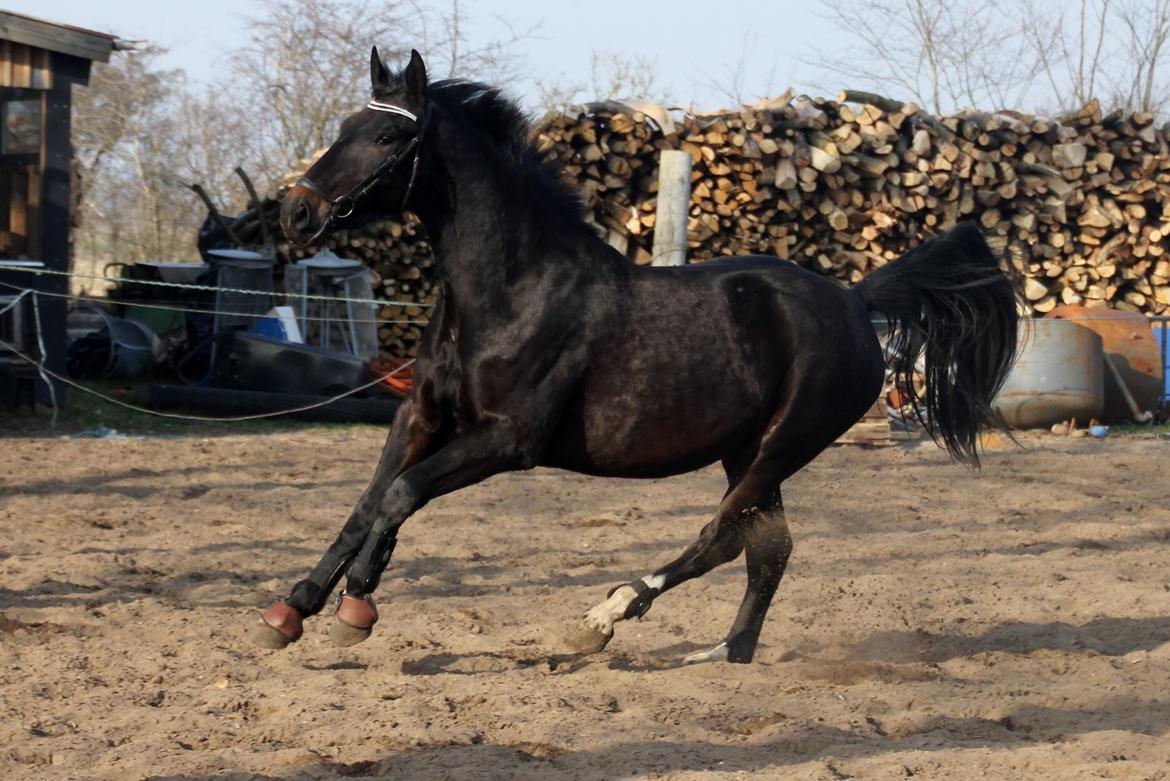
<point>488,112</point>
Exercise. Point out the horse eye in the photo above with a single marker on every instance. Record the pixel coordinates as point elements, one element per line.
<point>384,138</point>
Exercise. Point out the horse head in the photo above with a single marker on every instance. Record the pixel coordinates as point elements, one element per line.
<point>373,162</point>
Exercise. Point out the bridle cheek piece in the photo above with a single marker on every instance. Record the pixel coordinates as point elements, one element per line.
<point>343,205</point>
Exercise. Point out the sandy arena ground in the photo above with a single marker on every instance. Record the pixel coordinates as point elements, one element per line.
<point>933,624</point>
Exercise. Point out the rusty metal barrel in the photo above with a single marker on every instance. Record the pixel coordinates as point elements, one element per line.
<point>1128,339</point>
<point>1059,374</point>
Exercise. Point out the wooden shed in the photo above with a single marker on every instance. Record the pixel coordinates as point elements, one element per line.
<point>40,63</point>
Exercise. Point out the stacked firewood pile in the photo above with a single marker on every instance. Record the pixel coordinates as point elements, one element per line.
<point>1080,203</point>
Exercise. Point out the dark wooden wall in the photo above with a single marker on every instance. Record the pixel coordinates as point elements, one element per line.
<point>55,201</point>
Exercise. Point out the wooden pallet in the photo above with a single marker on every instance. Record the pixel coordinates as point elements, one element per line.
<point>873,429</point>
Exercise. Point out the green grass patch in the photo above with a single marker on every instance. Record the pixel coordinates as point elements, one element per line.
<point>1134,429</point>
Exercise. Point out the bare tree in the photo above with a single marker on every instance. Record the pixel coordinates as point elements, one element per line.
<point>303,66</point>
<point>122,99</point>
<point>445,40</point>
<point>1146,39</point>
<point>128,150</point>
<point>1111,50</point>
<point>302,70</point>
<point>1068,48</point>
<point>143,134</point>
<point>212,138</point>
<point>730,83</point>
<point>611,75</point>
<point>1045,56</point>
<point>946,54</point>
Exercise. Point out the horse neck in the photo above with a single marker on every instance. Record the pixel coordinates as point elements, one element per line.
<point>485,219</point>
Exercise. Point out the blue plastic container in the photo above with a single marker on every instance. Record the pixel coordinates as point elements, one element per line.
<point>1162,337</point>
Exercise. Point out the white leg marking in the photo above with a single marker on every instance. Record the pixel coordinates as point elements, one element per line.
<point>603,616</point>
<point>716,654</point>
<point>654,581</point>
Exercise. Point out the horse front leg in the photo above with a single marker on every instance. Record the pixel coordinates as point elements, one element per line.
<point>407,443</point>
<point>486,450</point>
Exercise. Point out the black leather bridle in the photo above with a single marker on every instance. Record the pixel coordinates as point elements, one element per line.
<point>343,205</point>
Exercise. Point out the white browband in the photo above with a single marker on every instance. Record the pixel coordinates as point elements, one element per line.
<point>390,108</point>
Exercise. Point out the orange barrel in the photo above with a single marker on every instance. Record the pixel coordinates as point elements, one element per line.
<point>1130,342</point>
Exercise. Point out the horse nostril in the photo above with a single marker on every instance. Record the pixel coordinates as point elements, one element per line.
<point>301,216</point>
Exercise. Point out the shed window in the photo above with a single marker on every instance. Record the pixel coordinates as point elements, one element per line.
<point>21,130</point>
<point>20,174</point>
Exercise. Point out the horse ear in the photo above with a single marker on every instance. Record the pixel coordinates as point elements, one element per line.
<point>415,76</point>
<point>379,75</point>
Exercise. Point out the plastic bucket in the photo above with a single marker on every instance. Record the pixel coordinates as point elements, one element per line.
<point>132,347</point>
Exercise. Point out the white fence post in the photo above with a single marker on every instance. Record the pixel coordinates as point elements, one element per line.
<point>674,201</point>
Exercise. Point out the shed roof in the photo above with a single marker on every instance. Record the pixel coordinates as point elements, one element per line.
<point>64,38</point>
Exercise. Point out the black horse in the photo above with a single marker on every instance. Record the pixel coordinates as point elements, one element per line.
<point>549,348</point>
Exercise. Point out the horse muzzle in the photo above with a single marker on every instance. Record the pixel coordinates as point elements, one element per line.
<point>304,217</point>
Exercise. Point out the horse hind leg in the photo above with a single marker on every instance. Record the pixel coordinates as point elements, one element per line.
<point>594,630</point>
<point>751,518</point>
<point>768,545</point>
<point>720,541</point>
<point>788,447</point>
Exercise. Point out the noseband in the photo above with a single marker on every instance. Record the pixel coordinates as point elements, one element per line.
<point>343,205</point>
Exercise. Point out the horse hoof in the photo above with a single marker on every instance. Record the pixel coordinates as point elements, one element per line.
<point>358,612</point>
<point>355,620</point>
<point>345,635</point>
<point>585,639</point>
<point>719,653</point>
<point>277,626</point>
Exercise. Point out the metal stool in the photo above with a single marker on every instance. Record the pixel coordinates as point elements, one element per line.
<point>237,269</point>
<point>343,326</point>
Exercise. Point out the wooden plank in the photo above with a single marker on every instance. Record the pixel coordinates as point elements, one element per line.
<point>5,197</point>
<point>33,216</point>
<point>18,205</point>
<point>25,67</point>
<point>21,67</point>
<point>674,197</point>
<point>74,41</point>
<point>5,63</point>
<point>18,210</point>
<point>873,429</point>
<point>55,201</point>
<point>42,69</point>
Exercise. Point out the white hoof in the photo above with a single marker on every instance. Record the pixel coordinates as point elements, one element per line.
<point>585,638</point>
<point>716,654</point>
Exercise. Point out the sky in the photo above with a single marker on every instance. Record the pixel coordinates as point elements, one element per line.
<point>693,43</point>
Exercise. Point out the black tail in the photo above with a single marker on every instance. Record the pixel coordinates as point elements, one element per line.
<point>949,299</point>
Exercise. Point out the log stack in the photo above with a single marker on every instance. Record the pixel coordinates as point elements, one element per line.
<point>1080,203</point>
